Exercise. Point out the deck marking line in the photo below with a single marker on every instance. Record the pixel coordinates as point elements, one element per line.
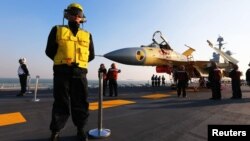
<point>156,96</point>
<point>11,118</point>
<point>110,103</point>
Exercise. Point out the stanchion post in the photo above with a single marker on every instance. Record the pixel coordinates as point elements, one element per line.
<point>100,109</point>
<point>100,132</point>
<point>35,94</point>
<point>28,86</point>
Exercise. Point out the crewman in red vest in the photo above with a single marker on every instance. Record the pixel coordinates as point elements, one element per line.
<point>112,78</point>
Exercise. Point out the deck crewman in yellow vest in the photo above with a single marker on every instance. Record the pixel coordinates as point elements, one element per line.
<point>71,48</point>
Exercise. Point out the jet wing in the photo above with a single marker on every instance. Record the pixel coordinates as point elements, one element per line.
<point>202,67</point>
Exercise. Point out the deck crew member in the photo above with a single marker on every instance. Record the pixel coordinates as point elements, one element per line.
<point>112,78</point>
<point>214,78</point>
<point>23,73</point>
<point>235,80</point>
<point>153,80</point>
<point>71,48</point>
<point>181,78</point>
<point>103,70</point>
<point>248,75</point>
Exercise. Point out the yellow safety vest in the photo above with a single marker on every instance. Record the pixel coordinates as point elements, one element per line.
<point>72,49</point>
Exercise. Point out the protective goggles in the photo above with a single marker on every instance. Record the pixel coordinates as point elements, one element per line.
<point>75,12</point>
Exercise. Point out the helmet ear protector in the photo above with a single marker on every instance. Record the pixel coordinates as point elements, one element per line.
<point>74,12</point>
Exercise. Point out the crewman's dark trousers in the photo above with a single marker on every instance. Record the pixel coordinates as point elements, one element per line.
<point>23,83</point>
<point>70,96</point>
<point>236,89</point>
<point>181,88</point>
<point>216,90</point>
<point>104,87</point>
<point>113,87</point>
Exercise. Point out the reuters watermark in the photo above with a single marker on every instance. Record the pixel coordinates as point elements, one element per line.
<point>239,132</point>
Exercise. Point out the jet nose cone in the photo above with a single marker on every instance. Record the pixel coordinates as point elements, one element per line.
<point>129,56</point>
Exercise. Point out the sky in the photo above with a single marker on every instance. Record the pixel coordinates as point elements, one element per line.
<point>116,24</point>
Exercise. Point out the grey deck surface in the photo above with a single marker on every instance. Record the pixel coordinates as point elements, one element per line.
<point>165,119</point>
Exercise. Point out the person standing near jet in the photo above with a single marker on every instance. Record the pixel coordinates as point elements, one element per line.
<point>103,70</point>
<point>235,80</point>
<point>248,75</point>
<point>214,78</point>
<point>202,82</point>
<point>181,78</point>
<point>163,80</point>
<point>153,80</point>
<point>112,78</point>
<point>159,81</point>
<point>23,73</point>
<point>70,48</point>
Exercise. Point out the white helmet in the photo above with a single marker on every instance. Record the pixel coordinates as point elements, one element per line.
<point>23,60</point>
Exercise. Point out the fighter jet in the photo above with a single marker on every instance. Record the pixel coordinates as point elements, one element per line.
<point>165,59</point>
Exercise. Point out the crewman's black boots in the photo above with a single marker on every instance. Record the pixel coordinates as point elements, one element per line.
<point>20,94</point>
<point>81,135</point>
<point>54,136</point>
